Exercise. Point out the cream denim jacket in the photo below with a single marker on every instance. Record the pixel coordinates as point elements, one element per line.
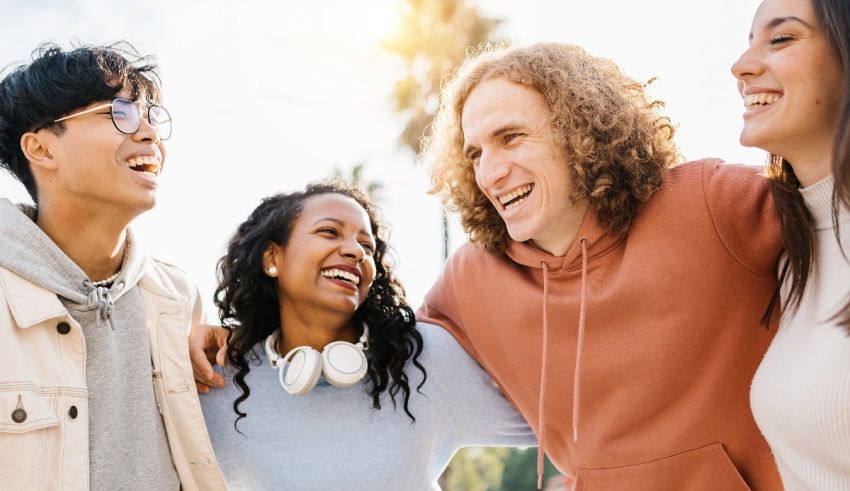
<point>43,395</point>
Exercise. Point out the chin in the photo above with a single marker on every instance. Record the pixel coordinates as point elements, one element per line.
<point>751,139</point>
<point>518,236</point>
<point>763,136</point>
<point>143,206</point>
<point>522,232</point>
<point>346,307</point>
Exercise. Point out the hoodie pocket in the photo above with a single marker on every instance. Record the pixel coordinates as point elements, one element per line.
<point>27,426</point>
<point>706,468</point>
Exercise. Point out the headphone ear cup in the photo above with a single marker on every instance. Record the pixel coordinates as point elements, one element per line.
<point>343,364</point>
<point>300,370</point>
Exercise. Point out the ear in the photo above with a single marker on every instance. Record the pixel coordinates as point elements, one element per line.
<point>272,260</point>
<point>36,148</point>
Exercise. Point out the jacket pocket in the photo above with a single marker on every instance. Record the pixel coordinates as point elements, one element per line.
<point>27,426</point>
<point>706,468</point>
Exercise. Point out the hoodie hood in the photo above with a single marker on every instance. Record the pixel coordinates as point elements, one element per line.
<point>27,251</point>
<point>598,242</point>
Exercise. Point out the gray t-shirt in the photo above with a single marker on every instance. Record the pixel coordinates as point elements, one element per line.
<point>332,439</point>
<point>128,446</point>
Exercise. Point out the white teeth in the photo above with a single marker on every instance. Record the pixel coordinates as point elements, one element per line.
<point>514,204</point>
<point>519,192</point>
<point>762,99</point>
<point>144,160</point>
<point>342,275</point>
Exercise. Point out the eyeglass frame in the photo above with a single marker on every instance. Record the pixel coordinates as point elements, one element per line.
<point>112,116</point>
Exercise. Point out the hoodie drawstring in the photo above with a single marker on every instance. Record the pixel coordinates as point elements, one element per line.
<point>580,342</point>
<point>579,346</point>
<point>542,401</point>
<point>100,299</point>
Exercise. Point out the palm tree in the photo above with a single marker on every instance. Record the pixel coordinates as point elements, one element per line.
<point>372,188</point>
<point>432,38</point>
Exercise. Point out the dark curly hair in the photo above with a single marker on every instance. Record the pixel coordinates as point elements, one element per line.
<point>248,306</point>
<point>56,83</point>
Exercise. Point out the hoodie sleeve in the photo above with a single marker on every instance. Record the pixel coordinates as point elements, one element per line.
<point>741,207</point>
<point>440,306</point>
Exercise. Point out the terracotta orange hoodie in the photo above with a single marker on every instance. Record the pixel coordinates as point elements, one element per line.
<point>632,356</point>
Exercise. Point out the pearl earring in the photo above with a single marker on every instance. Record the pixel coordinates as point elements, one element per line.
<point>272,270</point>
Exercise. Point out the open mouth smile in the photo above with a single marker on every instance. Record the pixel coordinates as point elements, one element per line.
<point>515,197</point>
<point>756,101</point>
<point>349,279</point>
<point>146,164</point>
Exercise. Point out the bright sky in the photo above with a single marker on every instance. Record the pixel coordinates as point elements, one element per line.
<point>268,96</point>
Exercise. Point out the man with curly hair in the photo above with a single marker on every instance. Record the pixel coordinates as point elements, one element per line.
<point>614,296</point>
<point>96,386</point>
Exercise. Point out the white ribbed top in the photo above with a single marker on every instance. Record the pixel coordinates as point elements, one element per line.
<point>801,392</point>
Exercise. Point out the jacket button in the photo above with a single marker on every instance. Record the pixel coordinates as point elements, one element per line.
<point>73,412</point>
<point>19,415</point>
<point>63,328</point>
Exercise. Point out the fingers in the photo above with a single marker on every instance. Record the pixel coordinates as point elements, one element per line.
<point>204,341</point>
<point>203,370</point>
<point>220,335</point>
<point>221,356</point>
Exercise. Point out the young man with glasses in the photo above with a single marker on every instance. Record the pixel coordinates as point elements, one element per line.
<point>96,388</point>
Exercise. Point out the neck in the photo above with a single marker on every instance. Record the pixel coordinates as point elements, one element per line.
<point>559,238</point>
<point>314,329</point>
<point>94,240</point>
<point>813,164</point>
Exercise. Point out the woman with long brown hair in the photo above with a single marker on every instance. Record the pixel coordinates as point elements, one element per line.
<point>794,80</point>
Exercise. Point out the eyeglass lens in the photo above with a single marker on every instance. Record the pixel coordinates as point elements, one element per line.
<point>127,117</point>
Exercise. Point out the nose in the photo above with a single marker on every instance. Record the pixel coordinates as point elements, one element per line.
<point>351,249</point>
<point>147,133</point>
<point>747,66</point>
<point>492,168</point>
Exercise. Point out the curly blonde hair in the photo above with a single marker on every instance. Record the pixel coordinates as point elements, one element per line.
<point>617,144</point>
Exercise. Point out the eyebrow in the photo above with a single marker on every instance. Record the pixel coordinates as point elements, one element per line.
<point>777,21</point>
<point>510,126</point>
<point>342,224</point>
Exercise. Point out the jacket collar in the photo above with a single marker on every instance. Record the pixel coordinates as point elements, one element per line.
<point>28,302</point>
<point>157,281</point>
<point>599,241</point>
<point>31,304</point>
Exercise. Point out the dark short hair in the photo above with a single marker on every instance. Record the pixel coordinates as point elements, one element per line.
<point>55,83</point>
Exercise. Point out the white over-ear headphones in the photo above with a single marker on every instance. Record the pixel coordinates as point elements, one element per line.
<point>343,364</point>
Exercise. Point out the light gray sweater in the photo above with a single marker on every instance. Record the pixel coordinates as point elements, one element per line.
<point>332,439</point>
<point>801,392</point>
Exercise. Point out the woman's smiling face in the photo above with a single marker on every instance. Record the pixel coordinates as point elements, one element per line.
<point>791,80</point>
<point>328,262</point>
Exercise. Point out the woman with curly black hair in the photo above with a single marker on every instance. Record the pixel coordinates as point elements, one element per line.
<point>321,341</point>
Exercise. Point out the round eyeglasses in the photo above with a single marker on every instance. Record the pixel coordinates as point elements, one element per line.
<point>127,116</point>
